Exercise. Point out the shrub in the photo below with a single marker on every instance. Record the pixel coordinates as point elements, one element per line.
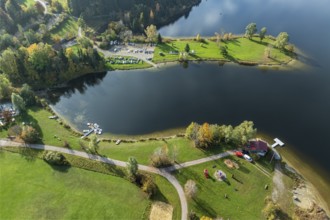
<point>148,185</point>
<point>190,188</point>
<point>29,134</point>
<point>16,130</point>
<point>54,158</point>
<point>160,157</point>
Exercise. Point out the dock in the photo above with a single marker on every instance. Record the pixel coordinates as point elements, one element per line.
<point>278,142</point>
<point>93,127</point>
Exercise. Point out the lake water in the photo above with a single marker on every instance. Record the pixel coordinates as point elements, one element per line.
<point>293,105</point>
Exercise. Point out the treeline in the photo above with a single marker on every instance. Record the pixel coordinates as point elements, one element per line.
<point>136,14</point>
<point>206,135</point>
<point>41,66</point>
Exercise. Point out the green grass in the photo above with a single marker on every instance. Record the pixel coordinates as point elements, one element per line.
<point>246,202</point>
<point>35,190</point>
<point>239,50</point>
<point>142,151</point>
<point>47,128</point>
<point>26,3</point>
<point>167,193</point>
<point>69,27</point>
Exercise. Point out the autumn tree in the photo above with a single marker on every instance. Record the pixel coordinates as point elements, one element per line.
<point>151,33</point>
<point>198,37</point>
<point>204,139</point>
<point>29,134</point>
<point>190,188</point>
<point>250,30</point>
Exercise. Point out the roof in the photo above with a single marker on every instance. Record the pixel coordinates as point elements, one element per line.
<point>257,145</point>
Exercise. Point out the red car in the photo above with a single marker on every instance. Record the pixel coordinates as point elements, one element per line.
<point>239,153</point>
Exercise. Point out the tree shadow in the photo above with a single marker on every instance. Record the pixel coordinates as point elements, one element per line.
<point>28,153</point>
<point>159,196</point>
<point>205,207</point>
<point>60,168</point>
<point>165,47</point>
<point>243,169</point>
<point>260,42</point>
<point>29,120</point>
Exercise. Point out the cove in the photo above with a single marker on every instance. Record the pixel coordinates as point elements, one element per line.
<point>291,104</point>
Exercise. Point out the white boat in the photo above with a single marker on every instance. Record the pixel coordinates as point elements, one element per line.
<point>118,141</point>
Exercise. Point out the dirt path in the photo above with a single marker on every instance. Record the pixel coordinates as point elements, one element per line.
<point>279,187</point>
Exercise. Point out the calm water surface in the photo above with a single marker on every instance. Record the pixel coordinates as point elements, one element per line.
<point>293,105</point>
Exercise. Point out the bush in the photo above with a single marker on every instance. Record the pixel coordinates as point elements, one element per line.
<point>29,134</point>
<point>54,158</point>
<point>148,185</point>
<point>160,157</point>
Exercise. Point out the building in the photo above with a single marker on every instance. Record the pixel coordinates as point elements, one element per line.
<point>257,146</point>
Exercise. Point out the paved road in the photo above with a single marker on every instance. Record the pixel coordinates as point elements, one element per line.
<point>163,172</point>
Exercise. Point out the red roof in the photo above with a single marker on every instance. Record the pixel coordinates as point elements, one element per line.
<point>258,145</point>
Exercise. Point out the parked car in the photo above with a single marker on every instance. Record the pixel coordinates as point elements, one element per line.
<point>239,153</point>
<point>247,157</point>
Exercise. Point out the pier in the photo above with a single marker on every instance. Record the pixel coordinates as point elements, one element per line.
<point>93,127</point>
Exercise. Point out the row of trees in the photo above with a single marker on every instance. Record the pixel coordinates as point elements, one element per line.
<point>207,135</point>
<point>41,66</point>
<point>281,40</point>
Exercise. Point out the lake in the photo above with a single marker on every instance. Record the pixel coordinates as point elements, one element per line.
<point>293,105</point>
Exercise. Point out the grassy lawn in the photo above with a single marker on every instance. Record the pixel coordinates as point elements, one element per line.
<point>69,27</point>
<point>183,148</point>
<point>35,190</point>
<point>47,128</point>
<point>240,49</point>
<point>245,198</point>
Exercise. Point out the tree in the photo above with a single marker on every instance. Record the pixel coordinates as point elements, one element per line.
<point>28,95</point>
<point>159,39</point>
<point>190,188</point>
<point>198,37</point>
<point>151,32</point>
<point>250,30</point>
<point>204,136</point>
<point>223,51</point>
<point>148,185</point>
<point>93,144</point>
<point>282,40</point>
<point>192,131</point>
<point>132,168</point>
<point>244,132</point>
<point>85,42</point>
<point>55,158</point>
<point>18,102</point>
<point>5,87</point>
<point>262,33</point>
<point>160,157</point>
<point>187,48</point>
<point>29,134</point>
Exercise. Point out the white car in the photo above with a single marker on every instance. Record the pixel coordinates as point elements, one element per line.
<point>247,157</point>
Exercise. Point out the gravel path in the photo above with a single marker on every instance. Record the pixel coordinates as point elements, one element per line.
<point>279,188</point>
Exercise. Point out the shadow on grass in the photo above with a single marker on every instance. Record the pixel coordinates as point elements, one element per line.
<point>159,196</point>
<point>60,168</point>
<point>243,169</point>
<point>29,120</point>
<point>260,42</point>
<point>165,47</point>
<point>205,207</point>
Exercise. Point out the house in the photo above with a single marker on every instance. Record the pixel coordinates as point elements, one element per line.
<point>257,146</point>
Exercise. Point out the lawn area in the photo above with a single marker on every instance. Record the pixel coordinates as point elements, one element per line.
<point>182,147</point>
<point>245,198</point>
<point>35,190</point>
<point>69,27</point>
<point>239,49</point>
<point>47,128</point>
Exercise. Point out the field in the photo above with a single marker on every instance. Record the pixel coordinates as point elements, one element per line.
<point>68,28</point>
<point>246,195</point>
<point>239,50</point>
<point>36,190</point>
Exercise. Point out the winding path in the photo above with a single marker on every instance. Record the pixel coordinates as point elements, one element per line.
<point>163,171</point>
